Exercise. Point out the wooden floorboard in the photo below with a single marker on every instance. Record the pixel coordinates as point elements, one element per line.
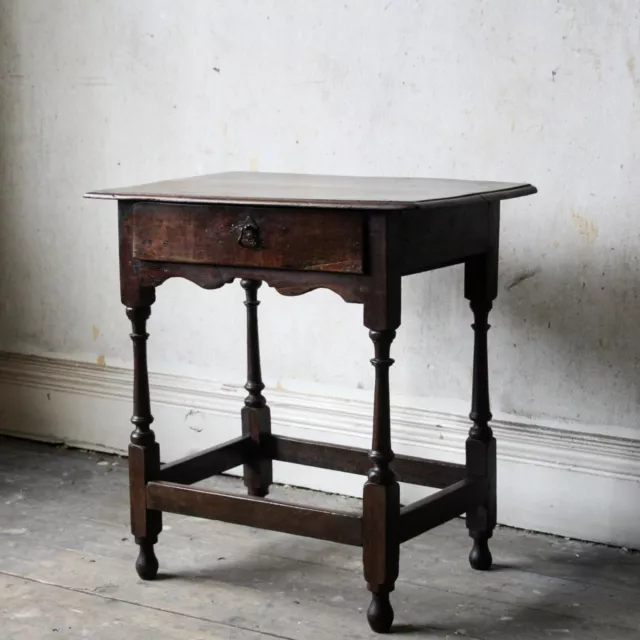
<point>65,548</point>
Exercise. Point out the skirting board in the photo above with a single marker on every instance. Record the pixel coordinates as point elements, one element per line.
<point>569,482</point>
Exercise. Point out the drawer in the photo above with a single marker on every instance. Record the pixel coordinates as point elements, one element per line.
<point>262,237</point>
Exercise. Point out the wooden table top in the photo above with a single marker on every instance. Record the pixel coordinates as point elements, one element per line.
<point>301,190</point>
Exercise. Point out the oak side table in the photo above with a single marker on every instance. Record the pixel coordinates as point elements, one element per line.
<point>357,237</point>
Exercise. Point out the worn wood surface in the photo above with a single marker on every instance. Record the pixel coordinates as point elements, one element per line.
<point>319,191</point>
<point>65,564</point>
<point>427,473</point>
<point>204,464</point>
<point>144,452</point>
<point>481,287</point>
<point>281,229</point>
<point>256,415</point>
<point>350,287</point>
<point>249,236</point>
<point>381,496</point>
<point>324,524</point>
<point>133,292</point>
<point>439,507</point>
<point>446,236</point>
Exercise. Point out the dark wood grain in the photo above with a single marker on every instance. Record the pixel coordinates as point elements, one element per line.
<point>133,293</point>
<point>207,463</point>
<point>336,192</point>
<point>381,496</point>
<point>382,300</point>
<point>427,473</point>
<point>144,452</point>
<point>356,237</point>
<point>446,236</point>
<point>320,455</point>
<point>256,415</point>
<point>351,288</point>
<point>481,288</point>
<point>440,507</point>
<point>336,526</point>
<point>418,471</point>
<point>248,236</point>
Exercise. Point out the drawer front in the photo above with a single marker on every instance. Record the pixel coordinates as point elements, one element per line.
<point>262,237</point>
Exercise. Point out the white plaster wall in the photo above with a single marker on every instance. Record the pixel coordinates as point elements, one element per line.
<point>115,92</point>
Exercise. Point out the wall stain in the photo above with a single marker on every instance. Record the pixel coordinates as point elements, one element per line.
<point>101,361</point>
<point>95,331</point>
<point>631,66</point>
<point>521,277</point>
<point>585,227</point>
<point>254,164</point>
<point>594,56</point>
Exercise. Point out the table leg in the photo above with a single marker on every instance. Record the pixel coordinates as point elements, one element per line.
<point>381,508</point>
<point>144,452</point>
<point>480,289</point>
<point>256,415</point>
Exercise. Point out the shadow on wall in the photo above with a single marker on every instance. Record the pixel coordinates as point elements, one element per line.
<point>575,328</point>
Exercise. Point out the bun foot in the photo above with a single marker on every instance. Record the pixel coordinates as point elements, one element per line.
<point>147,563</point>
<point>480,557</point>
<point>380,613</point>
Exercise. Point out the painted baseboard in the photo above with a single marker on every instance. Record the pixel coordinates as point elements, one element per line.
<point>567,481</point>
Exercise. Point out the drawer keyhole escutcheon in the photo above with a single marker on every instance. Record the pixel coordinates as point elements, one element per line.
<point>248,233</point>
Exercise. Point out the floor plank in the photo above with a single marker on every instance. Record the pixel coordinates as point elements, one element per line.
<point>64,534</point>
<point>33,611</point>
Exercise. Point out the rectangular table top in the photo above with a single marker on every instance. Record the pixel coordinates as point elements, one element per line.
<point>301,190</point>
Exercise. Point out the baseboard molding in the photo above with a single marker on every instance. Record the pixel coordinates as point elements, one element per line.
<point>566,481</point>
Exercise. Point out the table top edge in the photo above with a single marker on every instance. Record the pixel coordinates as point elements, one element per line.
<point>516,191</point>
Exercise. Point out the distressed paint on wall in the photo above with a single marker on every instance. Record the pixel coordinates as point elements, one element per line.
<point>121,91</point>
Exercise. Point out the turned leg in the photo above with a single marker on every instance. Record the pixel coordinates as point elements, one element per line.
<point>256,416</point>
<point>381,508</point>
<point>481,445</point>
<point>144,453</point>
